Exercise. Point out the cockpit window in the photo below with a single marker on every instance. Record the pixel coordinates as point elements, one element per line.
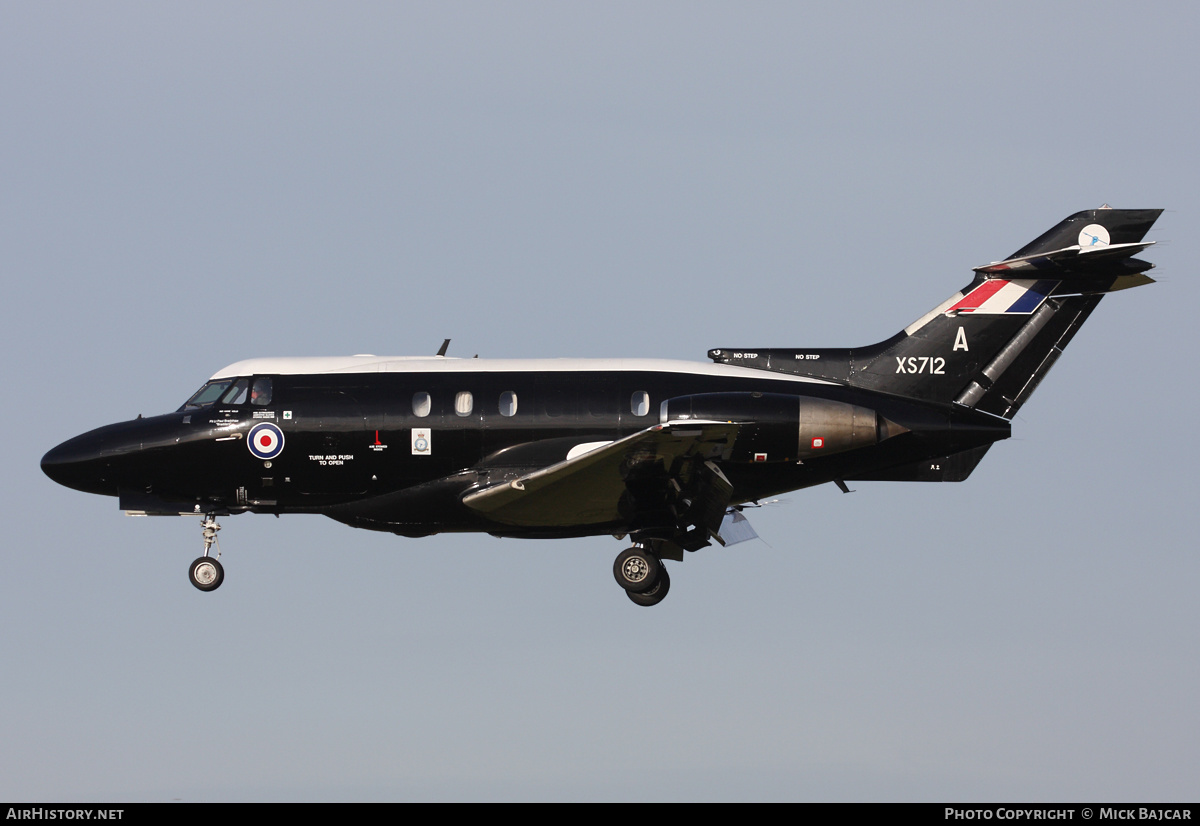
<point>207,394</point>
<point>237,393</point>
<point>231,391</point>
<point>261,393</point>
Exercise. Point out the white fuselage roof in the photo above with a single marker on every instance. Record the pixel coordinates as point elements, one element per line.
<point>442,364</point>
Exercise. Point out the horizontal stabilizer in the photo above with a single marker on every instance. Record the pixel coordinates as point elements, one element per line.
<point>1074,260</point>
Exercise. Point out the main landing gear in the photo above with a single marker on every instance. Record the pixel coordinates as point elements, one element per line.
<point>643,576</point>
<point>206,572</point>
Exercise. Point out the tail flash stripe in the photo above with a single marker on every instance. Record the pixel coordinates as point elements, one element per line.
<point>999,297</point>
<point>974,299</point>
<point>1033,297</point>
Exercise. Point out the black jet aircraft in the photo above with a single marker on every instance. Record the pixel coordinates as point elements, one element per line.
<point>666,453</point>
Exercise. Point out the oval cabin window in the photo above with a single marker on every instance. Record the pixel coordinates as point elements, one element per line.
<point>421,405</point>
<point>464,403</point>
<point>640,403</point>
<point>508,403</point>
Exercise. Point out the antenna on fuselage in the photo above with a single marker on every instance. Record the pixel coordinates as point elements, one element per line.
<point>445,346</point>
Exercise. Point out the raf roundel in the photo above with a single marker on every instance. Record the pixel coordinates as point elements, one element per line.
<point>265,441</point>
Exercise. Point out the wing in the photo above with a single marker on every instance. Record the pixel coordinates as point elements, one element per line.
<point>665,470</point>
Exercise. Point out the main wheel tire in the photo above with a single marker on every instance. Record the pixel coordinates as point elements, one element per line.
<point>206,573</point>
<point>656,594</point>
<point>636,570</point>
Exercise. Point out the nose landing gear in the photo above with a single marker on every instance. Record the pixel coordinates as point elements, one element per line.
<point>206,573</point>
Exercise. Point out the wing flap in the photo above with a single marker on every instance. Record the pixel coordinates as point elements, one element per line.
<point>587,489</point>
<point>735,528</point>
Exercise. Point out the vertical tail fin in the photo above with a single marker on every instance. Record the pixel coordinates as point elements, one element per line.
<point>988,346</point>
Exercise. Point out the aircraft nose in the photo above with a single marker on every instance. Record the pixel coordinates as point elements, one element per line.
<point>77,463</point>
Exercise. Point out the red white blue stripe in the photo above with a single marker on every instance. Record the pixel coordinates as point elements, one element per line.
<point>999,297</point>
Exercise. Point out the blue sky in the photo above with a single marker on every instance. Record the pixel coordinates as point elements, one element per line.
<point>187,187</point>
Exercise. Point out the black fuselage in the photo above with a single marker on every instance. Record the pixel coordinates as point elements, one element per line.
<point>397,451</point>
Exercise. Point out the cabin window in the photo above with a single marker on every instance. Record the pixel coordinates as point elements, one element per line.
<point>237,393</point>
<point>508,403</point>
<point>639,404</point>
<point>260,394</point>
<point>421,404</point>
<point>464,403</point>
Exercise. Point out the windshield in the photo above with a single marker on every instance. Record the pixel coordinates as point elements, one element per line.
<point>232,392</point>
<point>207,394</point>
<point>237,393</point>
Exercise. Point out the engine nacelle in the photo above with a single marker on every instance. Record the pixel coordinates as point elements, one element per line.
<point>777,427</point>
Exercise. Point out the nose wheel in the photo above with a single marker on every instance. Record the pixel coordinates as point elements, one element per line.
<point>207,573</point>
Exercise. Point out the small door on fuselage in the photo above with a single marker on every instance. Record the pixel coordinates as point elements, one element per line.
<point>328,439</point>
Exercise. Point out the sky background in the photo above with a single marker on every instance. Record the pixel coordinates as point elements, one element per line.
<point>182,187</point>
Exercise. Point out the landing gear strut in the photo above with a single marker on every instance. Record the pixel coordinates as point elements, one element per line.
<point>206,572</point>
